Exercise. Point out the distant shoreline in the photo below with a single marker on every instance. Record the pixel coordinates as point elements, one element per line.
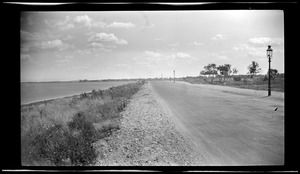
<point>39,102</point>
<point>83,81</point>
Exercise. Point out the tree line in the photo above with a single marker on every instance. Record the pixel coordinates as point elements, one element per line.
<point>224,71</point>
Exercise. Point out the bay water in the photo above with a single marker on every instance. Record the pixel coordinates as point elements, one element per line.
<point>33,92</point>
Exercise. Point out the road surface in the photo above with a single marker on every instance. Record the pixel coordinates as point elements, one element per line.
<point>227,126</point>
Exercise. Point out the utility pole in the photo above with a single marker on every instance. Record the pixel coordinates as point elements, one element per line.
<point>174,75</point>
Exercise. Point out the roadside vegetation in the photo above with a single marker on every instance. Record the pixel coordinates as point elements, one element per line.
<point>224,75</point>
<point>62,132</point>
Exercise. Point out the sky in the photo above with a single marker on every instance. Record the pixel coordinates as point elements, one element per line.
<point>63,46</point>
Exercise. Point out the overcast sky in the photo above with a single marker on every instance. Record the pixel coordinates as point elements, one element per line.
<point>141,44</point>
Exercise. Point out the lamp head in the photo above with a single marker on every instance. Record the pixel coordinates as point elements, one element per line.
<point>269,51</point>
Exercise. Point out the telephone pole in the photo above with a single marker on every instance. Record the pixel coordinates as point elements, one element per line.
<point>174,75</point>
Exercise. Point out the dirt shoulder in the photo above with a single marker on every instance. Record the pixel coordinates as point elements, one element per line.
<point>147,137</point>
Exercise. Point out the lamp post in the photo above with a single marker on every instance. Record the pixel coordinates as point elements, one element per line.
<point>269,55</point>
<point>174,75</point>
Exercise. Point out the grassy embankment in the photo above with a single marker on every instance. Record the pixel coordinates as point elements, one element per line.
<point>241,81</point>
<point>62,131</point>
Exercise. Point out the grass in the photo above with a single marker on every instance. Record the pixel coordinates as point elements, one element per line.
<point>61,132</point>
<point>257,83</point>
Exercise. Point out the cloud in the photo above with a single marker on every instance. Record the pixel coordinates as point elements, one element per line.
<point>174,44</point>
<point>122,42</point>
<point>106,38</point>
<point>67,27</point>
<point>29,18</point>
<point>62,60</point>
<point>159,56</point>
<point>64,24</point>
<point>219,37</point>
<point>83,67</point>
<point>152,59</point>
<point>123,65</point>
<point>237,48</point>
<point>95,44</point>
<point>244,47</point>
<point>156,56</point>
<point>222,57</point>
<point>195,43</point>
<point>53,44</point>
<point>69,23</point>
<point>25,57</point>
<point>24,49</point>
<point>35,41</point>
<point>218,56</point>
<point>183,55</point>
<point>68,37</point>
<point>85,21</point>
<point>27,36</point>
<point>69,57</point>
<point>121,25</point>
<point>265,41</point>
<point>256,47</point>
<point>257,55</point>
<point>152,54</point>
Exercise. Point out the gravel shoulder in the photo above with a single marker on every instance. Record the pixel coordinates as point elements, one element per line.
<point>147,137</point>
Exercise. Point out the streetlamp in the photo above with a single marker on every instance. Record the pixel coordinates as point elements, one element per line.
<point>269,55</point>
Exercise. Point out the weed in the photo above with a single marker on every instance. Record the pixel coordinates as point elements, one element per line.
<point>237,78</point>
<point>52,144</point>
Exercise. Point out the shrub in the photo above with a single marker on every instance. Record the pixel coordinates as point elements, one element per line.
<point>83,134</point>
<point>265,78</point>
<point>105,128</point>
<point>52,144</point>
<point>81,150</point>
<point>58,143</point>
<point>237,78</point>
<point>82,124</point>
<point>83,95</point>
<point>107,110</point>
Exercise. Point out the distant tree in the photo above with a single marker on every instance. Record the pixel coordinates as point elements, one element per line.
<point>224,70</point>
<point>234,71</point>
<point>202,72</point>
<point>253,68</point>
<point>274,73</point>
<point>280,75</point>
<point>210,69</point>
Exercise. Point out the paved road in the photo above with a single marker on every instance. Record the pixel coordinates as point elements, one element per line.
<point>228,126</point>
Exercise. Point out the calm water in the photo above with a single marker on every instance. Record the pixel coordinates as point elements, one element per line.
<point>32,92</point>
